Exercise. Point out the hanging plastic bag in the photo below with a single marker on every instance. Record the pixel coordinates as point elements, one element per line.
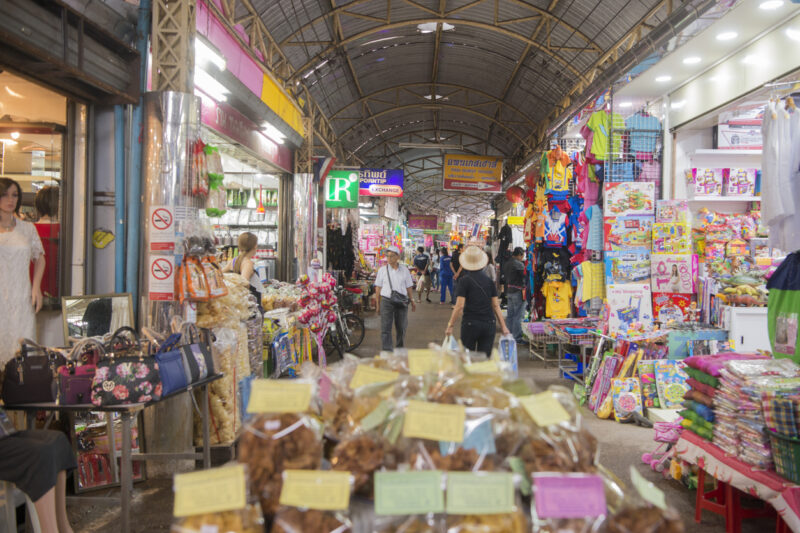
<point>451,344</point>
<point>507,347</point>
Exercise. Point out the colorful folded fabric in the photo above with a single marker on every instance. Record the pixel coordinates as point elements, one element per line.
<point>699,397</point>
<point>698,430</point>
<point>712,364</point>
<point>698,420</point>
<point>702,387</point>
<point>702,377</point>
<point>700,409</point>
<point>783,417</point>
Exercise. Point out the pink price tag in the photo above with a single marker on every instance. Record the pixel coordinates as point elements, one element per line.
<point>325,388</point>
<point>569,495</point>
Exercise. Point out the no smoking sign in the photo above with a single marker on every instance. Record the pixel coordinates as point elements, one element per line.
<point>161,276</point>
<point>162,228</point>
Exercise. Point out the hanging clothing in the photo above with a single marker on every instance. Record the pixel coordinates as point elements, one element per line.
<point>601,122</point>
<point>644,131</point>
<point>558,295</point>
<point>555,228</point>
<point>780,190</point>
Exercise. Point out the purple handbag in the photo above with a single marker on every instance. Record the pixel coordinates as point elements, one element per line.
<point>74,378</point>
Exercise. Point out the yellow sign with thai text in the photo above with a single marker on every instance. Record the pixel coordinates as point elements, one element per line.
<point>474,173</point>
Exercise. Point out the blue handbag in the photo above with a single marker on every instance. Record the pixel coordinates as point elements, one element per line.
<point>171,366</point>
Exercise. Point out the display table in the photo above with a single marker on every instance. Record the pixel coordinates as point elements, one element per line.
<point>583,342</point>
<point>768,486</point>
<point>127,414</point>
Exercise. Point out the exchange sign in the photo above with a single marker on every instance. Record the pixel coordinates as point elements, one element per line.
<point>381,182</point>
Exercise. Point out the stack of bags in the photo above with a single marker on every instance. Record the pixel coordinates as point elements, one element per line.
<point>738,407</point>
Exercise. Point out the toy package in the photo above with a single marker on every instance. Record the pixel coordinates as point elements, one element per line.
<point>669,306</point>
<point>626,396</point>
<point>672,212</point>
<point>673,273</point>
<point>740,181</point>
<point>671,383</point>
<point>672,238</point>
<point>705,181</point>
<point>629,198</point>
<point>627,267</point>
<point>630,233</point>
<point>647,379</point>
<point>630,306</point>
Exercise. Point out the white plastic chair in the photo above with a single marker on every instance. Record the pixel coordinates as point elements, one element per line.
<point>11,498</point>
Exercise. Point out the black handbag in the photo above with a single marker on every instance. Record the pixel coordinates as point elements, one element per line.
<point>30,377</point>
<point>196,355</point>
<point>127,375</point>
<point>397,298</point>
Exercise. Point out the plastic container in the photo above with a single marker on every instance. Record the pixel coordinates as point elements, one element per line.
<point>786,455</point>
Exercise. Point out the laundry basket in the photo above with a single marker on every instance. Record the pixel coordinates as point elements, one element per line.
<point>786,455</point>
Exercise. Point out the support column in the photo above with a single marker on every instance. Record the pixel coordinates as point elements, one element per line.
<point>305,200</point>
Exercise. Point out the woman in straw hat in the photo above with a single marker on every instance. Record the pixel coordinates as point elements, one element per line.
<point>476,298</point>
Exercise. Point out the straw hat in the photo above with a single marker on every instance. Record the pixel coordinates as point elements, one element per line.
<point>473,258</point>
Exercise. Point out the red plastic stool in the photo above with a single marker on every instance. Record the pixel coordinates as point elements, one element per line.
<point>733,521</point>
<point>782,526</point>
<point>714,500</point>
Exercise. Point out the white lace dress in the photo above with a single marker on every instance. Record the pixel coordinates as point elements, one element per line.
<point>17,249</point>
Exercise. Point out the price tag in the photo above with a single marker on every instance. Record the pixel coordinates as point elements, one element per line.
<point>210,491</point>
<point>404,493</point>
<point>569,495</point>
<point>480,493</point>
<point>478,437</point>
<point>434,421</point>
<point>647,490</point>
<point>482,367</point>
<point>274,396</point>
<point>545,409</point>
<point>367,375</point>
<point>518,467</point>
<point>421,362</point>
<point>325,490</point>
<point>376,416</point>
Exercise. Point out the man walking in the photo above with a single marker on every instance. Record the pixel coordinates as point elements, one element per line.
<point>422,264</point>
<point>395,288</point>
<point>514,272</point>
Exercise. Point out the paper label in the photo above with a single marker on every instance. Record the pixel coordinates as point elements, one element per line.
<point>367,375</point>
<point>210,491</point>
<point>274,396</point>
<point>568,495</point>
<point>377,416</point>
<point>162,228</point>
<point>325,384</point>
<point>545,409</point>
<point>324,490</point>
<point>475,493</point>
<point>647,490</point>
<point>421,362</point>
<point>478,437</point>
<point>434,421</point>
<point>518,467</point>
<point>161,275</point>
<point>405,493</point>
<point>483,367</point>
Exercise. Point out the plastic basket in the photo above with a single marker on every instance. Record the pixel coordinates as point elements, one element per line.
<point>786,455</point>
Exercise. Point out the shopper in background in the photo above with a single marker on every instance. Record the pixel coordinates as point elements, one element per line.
<point>456,262</point>
<point>514,274</point>
<point>20,297</point>
<point>243,264</point>
<point>395,294</point>
<point>435,268</point>
<point>422,264</point>
<point>48,228</point>
<point>446,276</point>
<point>490,269</point>
<point>476,298</point>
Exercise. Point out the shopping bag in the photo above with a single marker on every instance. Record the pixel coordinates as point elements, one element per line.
<point>450,344</point>
<point>507,347</point>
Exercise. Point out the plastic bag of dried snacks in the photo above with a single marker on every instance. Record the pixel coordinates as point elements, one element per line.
<point>314,500</point>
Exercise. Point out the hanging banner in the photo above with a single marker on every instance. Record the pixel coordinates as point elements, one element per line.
<point>381,182</point>
<point>423,221</point>
<point>472,173</point>
<point>442,228</point>
<point>341,189</point>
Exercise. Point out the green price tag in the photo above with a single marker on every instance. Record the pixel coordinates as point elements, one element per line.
<point>518,467</point>
<point>472,493</point>
<point>404,493</point>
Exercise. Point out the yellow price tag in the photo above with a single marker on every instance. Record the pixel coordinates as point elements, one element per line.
<point>483,367</point>
<point>545,409</point>
<point>274,396</point>
<point>421,362</point>
<point>210,491</point>
<point>368,375</point>
<point>325,490</point>
<point>434,421</point>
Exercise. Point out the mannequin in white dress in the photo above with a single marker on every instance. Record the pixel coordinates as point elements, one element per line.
<point>19,297</point>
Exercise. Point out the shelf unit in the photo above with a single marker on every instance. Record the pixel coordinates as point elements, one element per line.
<point>719,152</point>
<point>725,199</point>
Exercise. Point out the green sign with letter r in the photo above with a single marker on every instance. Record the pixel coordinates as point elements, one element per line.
<point>341,189</point>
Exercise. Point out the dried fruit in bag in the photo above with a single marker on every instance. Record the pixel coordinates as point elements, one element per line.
<point>293,520</point>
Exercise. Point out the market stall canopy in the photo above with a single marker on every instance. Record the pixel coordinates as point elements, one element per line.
<point>442,76</point>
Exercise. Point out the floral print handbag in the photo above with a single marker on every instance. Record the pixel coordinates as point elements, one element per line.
<point>124,378</point>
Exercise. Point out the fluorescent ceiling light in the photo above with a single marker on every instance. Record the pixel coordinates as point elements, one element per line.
<point>432,96</point>
<point>727,35</point>
<point>430,27</point>
<point>206,52</point>
<point>273,133</point>
<point>210,86</point>
<point>625,104</point>
<point>677,105</point>
<point>365,219</point>
<point>13,93</point>
<point>691,60</point>
<point>15,135</point>
<point>432,146</point>
<point>8,142</point>
<point>793,34</point>
<point>663,79</point>
<point>770,5</point>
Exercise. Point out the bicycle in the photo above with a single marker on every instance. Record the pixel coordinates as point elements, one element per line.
<point>346,333</point>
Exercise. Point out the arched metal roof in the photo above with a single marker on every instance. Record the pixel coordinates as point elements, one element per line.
<point>487,75</point>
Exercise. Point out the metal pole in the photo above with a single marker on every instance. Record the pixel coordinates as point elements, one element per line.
<point>119,198</point>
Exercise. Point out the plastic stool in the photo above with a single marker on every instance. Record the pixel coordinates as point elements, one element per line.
<point>713,500</point>
<point>11,498</point>
<point>736,513</point>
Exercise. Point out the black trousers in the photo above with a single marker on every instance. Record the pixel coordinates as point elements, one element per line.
<point>478,335</point>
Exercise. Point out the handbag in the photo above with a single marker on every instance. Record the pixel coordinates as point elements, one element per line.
<point>171,366</point>
<point>397,299</point>
<point>126,376</point>
<point>75,377</point>
<point>197,357</point>
<point>30,375</point>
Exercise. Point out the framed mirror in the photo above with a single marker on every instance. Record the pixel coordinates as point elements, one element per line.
<point>95,314</point>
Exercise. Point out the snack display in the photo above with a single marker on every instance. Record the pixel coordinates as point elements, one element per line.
<point>362,455</point>
<point>508,523</point>
<point>293,520</point>
<point>248,520</point>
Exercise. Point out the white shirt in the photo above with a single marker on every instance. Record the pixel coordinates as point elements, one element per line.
<point>400,280</point>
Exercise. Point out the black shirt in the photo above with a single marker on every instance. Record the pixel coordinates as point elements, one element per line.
<point>478,290</point>
<point>514,272</point>
<point>456,261</point>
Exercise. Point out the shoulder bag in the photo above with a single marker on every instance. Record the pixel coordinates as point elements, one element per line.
<point>397,298</point>
<point>126,375</point>
<point>76,376</point>
<point>30,375</point>
<point>197,357</point>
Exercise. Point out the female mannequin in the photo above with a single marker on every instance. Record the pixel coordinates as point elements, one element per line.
<point>19,296</point>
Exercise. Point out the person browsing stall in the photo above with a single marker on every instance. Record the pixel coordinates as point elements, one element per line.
<point>243,264</point>
<point>514,274</point>
<point>395,294</point>
<point>446,277</point>
<point>476,299</point>
<point>422,263</point>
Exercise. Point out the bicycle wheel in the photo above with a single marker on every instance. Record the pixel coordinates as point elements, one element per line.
<point>354,331</point>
